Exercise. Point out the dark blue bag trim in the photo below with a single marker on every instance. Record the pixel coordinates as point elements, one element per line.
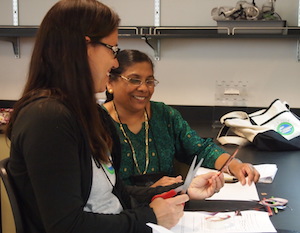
<point>272,141</point>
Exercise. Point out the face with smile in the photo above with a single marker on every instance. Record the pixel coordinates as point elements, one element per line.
<point>102,60</point>
<point>132,97</point>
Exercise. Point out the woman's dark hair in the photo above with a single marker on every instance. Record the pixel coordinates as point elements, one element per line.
<point>127,58</point>
<point>59,66</point>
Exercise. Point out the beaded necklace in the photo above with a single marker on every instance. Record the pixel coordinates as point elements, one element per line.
<point>127,139</point>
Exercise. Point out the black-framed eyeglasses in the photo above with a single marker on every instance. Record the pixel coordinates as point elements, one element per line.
<point>114,49</point>
<point>138,82</point>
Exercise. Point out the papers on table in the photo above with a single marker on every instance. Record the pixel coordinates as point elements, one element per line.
<point>236,191</point>
<point>249,221</point>
<point>204,222</point>
<point>233,191</point>
<point>267,172</point>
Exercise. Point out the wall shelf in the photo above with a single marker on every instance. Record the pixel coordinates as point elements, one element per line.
<point>152,34</point>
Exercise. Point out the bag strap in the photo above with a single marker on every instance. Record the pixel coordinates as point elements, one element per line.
<point>223,136</point>
<point>263,116</point>
<point>234,115</point>
<point>224,139</point>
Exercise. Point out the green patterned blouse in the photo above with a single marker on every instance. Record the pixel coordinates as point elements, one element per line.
<point>169,136</point>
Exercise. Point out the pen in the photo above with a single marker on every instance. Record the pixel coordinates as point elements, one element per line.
<point>275,208</point>
<point>230,180</point>
<point>268,208</point>
<point>228,161</point>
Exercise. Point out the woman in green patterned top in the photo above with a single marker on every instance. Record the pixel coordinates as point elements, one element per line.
<point>152,133</point>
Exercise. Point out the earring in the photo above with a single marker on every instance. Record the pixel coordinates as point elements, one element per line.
<point>110,91</point>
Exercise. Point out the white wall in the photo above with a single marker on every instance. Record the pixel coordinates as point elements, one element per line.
<point>189,68</point>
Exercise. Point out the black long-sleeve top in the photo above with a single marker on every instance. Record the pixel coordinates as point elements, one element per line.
<point>50,162</point>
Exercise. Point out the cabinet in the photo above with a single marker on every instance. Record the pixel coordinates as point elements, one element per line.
<point>154,34</point>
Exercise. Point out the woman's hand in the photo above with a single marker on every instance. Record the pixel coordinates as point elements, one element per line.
<point>239,169</point>
<point>242,170</point>
<point>206,185</point>
<point>167,180</point>
<point>169,211</point>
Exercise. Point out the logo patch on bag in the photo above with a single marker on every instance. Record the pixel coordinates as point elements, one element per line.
<point>285,128</point>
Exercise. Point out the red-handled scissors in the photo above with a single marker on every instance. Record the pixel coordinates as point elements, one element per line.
<point>183,188</point>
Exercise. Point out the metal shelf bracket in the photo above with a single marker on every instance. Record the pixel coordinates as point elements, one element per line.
<point>15,43</point>
<point>16,46</point>
<point>155,45</point>
<point>298,50</point>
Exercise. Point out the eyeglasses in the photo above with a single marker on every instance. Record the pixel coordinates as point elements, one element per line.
<point>114,49</point>
<point>138,82</point>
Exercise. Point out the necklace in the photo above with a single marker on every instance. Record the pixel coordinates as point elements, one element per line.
<point>130,143</point>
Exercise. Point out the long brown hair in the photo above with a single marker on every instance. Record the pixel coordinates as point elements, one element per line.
<point>59,65</point>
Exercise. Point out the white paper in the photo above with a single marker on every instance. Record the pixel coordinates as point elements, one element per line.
<point>233,191</point>
<point>200,222</point>
<point>250,221</point>
<point>267,172</point>
<point>158,229</point>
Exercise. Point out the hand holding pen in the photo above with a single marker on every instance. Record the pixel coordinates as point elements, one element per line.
<point>240,170</point>
<point>228,161</point>
<point>205,185</point>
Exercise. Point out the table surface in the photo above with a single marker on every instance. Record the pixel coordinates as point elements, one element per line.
<point>285,184</point>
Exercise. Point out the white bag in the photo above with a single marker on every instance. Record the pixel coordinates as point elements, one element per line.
<point>275,128</point>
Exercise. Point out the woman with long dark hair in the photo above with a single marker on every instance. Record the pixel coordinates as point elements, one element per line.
<point>64,151</point>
